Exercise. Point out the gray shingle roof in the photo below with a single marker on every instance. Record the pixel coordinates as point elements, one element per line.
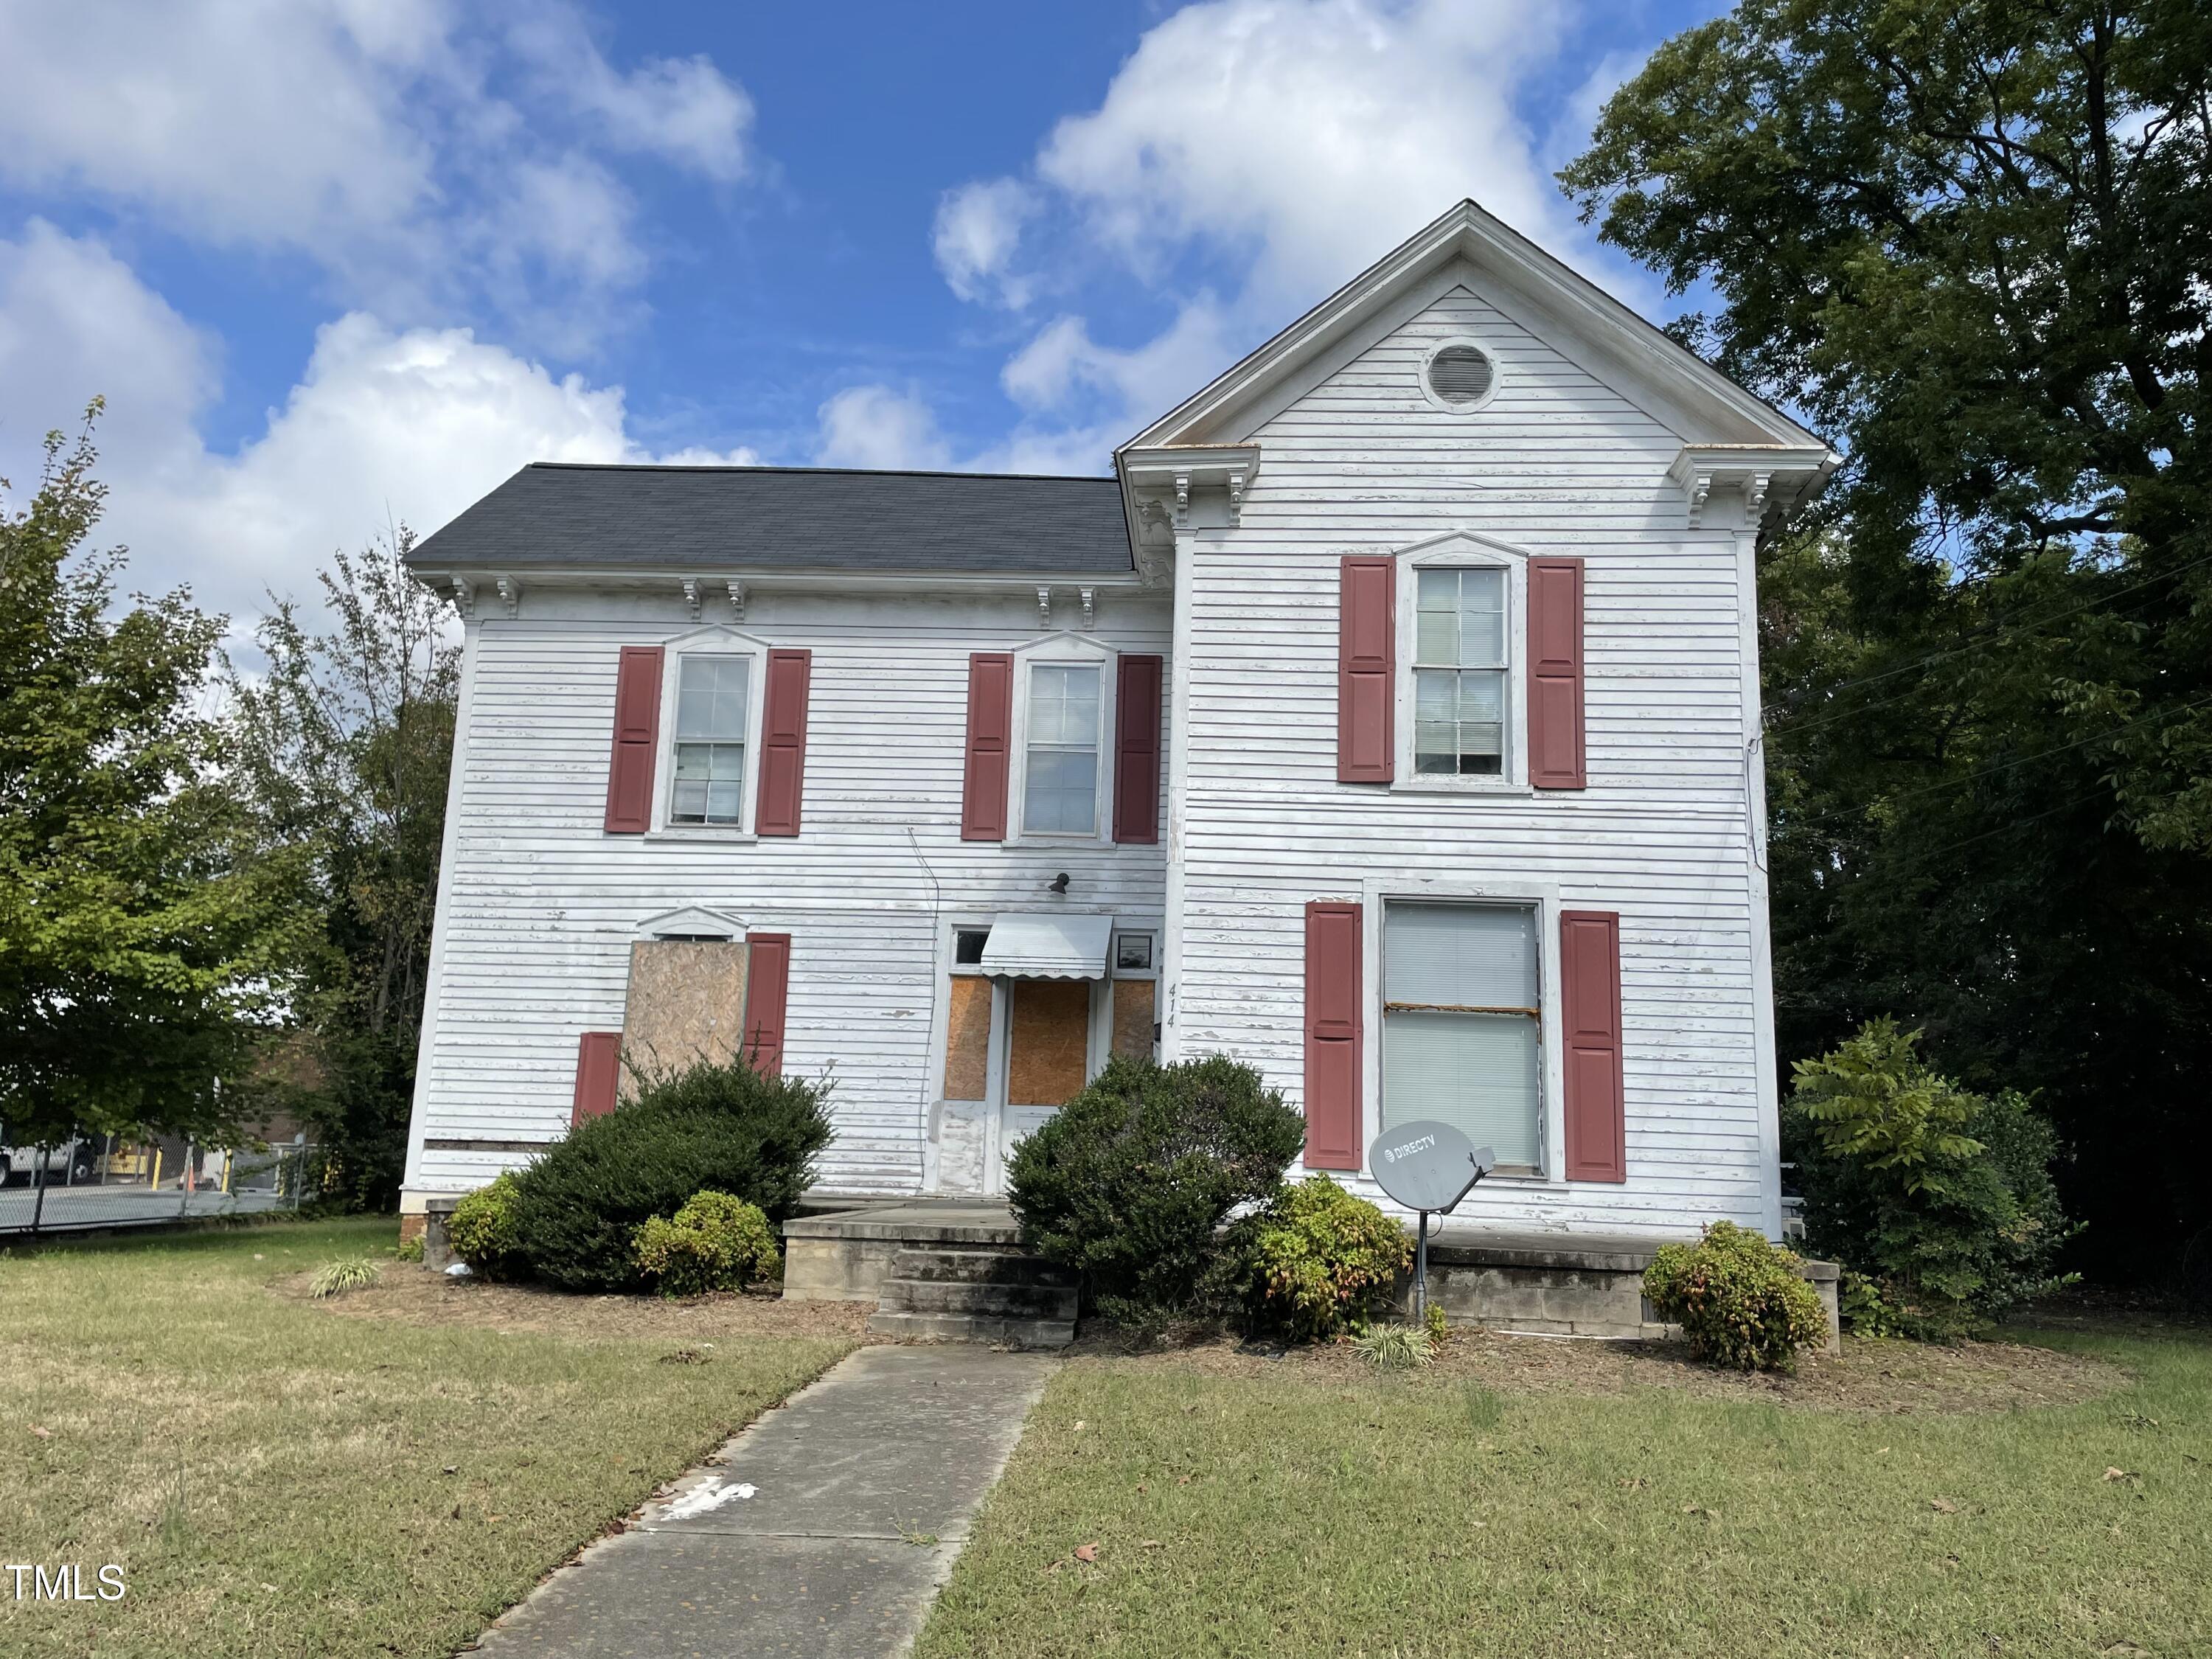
<point>553,515</point>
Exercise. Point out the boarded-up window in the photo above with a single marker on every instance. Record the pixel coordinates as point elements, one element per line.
<point>686,1003</point>
<point>1049,1041</point>
<point>967,1038</point>
<point>1132,1018</point>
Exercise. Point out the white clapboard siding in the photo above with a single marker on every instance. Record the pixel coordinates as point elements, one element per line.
<point>1556,463</point>
<point>542,905</point>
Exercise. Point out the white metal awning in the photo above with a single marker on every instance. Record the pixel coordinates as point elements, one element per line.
<point>1032,945</point>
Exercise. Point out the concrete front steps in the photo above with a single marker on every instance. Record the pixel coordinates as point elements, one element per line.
<point>955,1295</point>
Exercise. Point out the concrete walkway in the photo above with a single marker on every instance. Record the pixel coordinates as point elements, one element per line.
<point>794,1538</point>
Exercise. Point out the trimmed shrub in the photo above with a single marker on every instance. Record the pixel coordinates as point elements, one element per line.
<point>709,1128</point>
<point>1740,1300</point>
<point>1939,1199</point>
<point>1129,1182</point>
<point>714,1243</point>
<point>1312,1263</point>
<point>482,1231</point>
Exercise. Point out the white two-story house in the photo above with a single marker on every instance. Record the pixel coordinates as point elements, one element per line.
<point>1388,720</point>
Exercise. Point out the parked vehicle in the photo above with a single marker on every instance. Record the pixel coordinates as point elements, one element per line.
<point>68,1160</point>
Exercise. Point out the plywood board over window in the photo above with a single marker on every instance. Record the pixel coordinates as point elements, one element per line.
<point>686,1003</point>
<point>1049,1041</point>
<point>967,1039</point>
<point>1133,1018</point>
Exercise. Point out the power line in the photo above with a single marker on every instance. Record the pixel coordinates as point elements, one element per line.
<point>1993,631</point>
<point>2006,766</point>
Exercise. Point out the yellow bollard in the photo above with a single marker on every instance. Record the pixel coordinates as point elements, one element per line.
<point>155,1184</point>
<point>226,1173</point>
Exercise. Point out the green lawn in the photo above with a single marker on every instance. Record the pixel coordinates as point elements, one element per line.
<point>1279,1515</point>
<point>274,1478</point>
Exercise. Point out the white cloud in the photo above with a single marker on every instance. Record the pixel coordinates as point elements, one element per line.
<point>874,426</point>
<point>1275,147</point>
<point>681,108</point>
<point>1062,365</point>
<point>1296,139</point>
<point>978,228</point>
<point>384,424</point>
<point>364,134</point>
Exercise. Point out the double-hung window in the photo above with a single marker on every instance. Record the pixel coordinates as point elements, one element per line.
<point>1060,788</point>
<point>1462,1031</point>
<point>1459,695</point>
<point>713,698</point>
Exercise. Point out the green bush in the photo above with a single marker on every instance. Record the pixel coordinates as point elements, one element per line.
<point>1312,1263</point>
<point>714,1243</point>
<point>723,1128</point>
<point>1395,1347</point>
<point>1740,1300</point>
<point>1940,1198</point>
<point>482,1230</point>
<point>1129,1182</point>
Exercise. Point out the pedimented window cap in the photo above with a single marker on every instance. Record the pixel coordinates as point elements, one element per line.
<point>694,922</point>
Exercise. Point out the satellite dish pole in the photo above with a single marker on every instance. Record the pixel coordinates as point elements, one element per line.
<point>1428,1167</point>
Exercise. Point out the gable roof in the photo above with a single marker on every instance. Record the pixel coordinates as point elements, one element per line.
<point>1687,392</point>
<point>562,515</point>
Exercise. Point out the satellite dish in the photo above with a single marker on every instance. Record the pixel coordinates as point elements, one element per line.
<point>1428,1166</point>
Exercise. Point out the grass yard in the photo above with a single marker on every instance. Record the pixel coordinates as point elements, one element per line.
<point>1240,1506</point>
<point>277,1476</point>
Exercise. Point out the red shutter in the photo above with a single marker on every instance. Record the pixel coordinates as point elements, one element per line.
<point>783,742</point>
<point>1366,670</point>
<point>1137,750</point>
<point>598,1070</point>
<point>1589,982</point>
<point>1555,674</point>
<point>637,736</point>
<point>990,733</point>
<point>768,984</point>
<point>1333,1028</point>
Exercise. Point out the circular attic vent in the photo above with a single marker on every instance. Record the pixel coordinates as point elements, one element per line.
<point>1460,375</point>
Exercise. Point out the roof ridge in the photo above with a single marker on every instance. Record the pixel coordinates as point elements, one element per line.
<point>828,471</point>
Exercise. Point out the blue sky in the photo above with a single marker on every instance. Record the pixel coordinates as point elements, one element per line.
<point>338,263</point>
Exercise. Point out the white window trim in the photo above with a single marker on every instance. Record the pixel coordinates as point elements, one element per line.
<point>1550,1111</point>
<point>1071,650</point>
<point>1464,550</point>
<point>1475,343</point>
<point>708,642</point>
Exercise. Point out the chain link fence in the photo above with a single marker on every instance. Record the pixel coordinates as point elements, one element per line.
<point>90,1182</point>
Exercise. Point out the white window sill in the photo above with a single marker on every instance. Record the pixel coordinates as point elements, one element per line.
<point>713,834</point>
<point>1457,786</point>
<point>1048,843</point>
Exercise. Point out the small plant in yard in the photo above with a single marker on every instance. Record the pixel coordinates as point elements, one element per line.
<point>720,1128</point>
<point>1393,1347</point>
<point>1939,1198</point>
<point>482,1230</point>
<point>1439,1327</point>
<point>337,1277</point>
<point>1129,1182</point>
<point>1740,1300</point>
<point>714,1243</point>
<point>410,1250</point>
<point>1313,1261</point>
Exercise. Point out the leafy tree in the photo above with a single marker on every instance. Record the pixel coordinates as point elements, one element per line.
<point>144,935</point>
<point>1973,243</point>
<point>345,741</point>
